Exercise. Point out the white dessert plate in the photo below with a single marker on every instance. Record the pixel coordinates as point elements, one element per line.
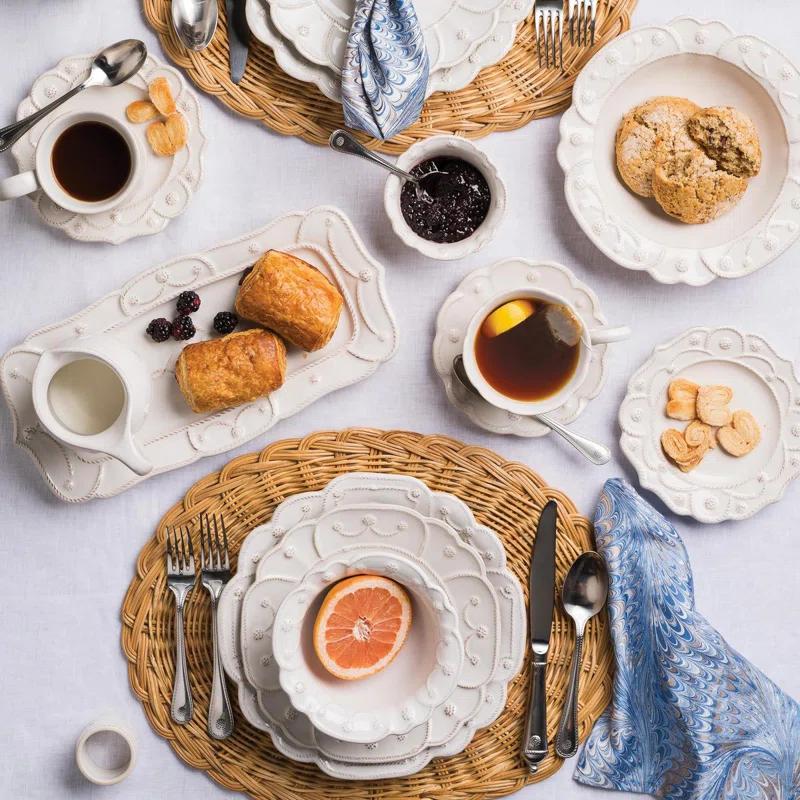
<point>172,435</point>
<point>453,723</point>
<point>711,65</point>
<point>472,293</point>
<point>164,186</point>
<point>721,487</point>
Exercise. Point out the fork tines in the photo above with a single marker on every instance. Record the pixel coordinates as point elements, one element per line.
<point>582,22</point>
<point>549,29</point>
<point>213,549</point>
<point>180,553</point>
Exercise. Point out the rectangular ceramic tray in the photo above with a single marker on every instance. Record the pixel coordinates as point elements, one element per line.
<point>172,435</point>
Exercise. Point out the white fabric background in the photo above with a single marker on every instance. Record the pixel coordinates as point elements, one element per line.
<point>65,568</point>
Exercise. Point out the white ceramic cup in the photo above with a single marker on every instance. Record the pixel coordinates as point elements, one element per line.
<point>97,773</point>
<point>589,338</point>
<point>42,175</point>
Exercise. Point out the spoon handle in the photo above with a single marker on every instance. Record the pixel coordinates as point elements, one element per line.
<point>567,737</point>
<point>11,133</point>
<point>343,142</point>
<point>594,451</point>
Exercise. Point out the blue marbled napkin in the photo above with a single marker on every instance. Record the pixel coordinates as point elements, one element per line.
<point>385,71</point>
<point>690,718</point>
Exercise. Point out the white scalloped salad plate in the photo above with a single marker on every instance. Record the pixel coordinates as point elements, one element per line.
<point>711,65</point>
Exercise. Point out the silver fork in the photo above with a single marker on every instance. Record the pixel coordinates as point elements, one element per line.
<point>215,573</point>
<point>582,21</point>
<point>549,26</point>
<point>180,580</point>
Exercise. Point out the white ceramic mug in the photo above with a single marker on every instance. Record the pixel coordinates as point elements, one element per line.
<point>117,438</point>
<point>589,338</point>
<point>42,175</point>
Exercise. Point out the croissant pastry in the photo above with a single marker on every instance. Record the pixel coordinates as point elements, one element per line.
<point>292,298</point>
<point>227,372</point>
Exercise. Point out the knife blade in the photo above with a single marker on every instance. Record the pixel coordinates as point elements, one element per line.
<point>238,38</point>
<point>542,580</point>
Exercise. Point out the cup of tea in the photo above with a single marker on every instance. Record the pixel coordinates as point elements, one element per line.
<point>85,162</point>
<point>527,351</point>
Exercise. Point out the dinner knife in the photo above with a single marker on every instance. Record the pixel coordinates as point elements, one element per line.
<point>238,38</point>
<point>541,595</point>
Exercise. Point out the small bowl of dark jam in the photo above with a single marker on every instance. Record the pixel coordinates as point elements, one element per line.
<point>461,203</point>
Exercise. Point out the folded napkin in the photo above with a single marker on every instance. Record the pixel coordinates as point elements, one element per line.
<point>689,716</point>
<point>385,72</point>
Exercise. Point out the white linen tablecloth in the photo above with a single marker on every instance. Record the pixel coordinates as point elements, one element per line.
<point>64,569</point>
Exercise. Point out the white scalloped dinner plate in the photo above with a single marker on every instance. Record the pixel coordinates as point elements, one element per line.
<point>721,487</point>
<point>711,65</point>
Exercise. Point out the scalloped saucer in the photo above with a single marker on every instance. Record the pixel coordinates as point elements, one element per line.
<point>164,185</point>
<point>709,64</point>
<point>721,487</point>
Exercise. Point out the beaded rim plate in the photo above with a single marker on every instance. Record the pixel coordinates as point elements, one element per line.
<point>721,487</point>
<point>165,186</point>
<point>711,65</point>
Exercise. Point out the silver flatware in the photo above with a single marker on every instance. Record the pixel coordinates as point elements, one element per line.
<point>195,21</point>
<point>238,38</point>
<point>111,66</point>
<point>215,573</point>
<point>180,581</point>
<point>541,589</point>
<point>548,19</point>
<point>344,142</point>
<point>582,17</point>
<point>583,595</point>
<point>593,451</point>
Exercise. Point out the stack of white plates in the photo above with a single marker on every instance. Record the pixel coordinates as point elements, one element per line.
<point>462,37</point>
<point>466,642</point>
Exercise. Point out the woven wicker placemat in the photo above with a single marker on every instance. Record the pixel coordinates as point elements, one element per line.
<point>503,495</point>
<point>503,97</point>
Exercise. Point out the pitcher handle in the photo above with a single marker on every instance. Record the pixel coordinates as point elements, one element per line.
<point>129,454</point>
<point>18,185</point>
<point>609,335</point>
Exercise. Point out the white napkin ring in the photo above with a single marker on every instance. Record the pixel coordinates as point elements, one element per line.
<point>97,773</point>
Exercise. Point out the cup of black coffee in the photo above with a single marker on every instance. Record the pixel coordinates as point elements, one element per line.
<point>85,162</point>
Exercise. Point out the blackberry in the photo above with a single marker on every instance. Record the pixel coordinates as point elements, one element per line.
<point>183,328</point>
<point>225,322</point>
<point>159,330</point>
<point>188,302</point>
<point>244,275</point>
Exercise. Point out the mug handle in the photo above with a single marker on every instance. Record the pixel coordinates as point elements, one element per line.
<point>129,454</point>
<point>18,185</point>
<point>609,335</point>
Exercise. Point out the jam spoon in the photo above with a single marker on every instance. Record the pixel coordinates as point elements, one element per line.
<point>593,451</point>
<point>111,66</point>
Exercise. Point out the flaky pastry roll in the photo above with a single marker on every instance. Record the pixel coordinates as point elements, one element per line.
<point>292,298</point>
<point>227,372</point>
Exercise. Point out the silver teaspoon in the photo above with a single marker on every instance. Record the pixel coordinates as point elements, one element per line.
<point>344,142</point>
<point>195,21</point>
<point>596,453</point>
<point>111,66</point>
<point>583,595</point>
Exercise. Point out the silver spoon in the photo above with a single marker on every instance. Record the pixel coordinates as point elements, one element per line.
<point>195,21</point>
<point>595,452</point>
<point>112,65</point>
<point>583,595</point>
<point>343,142</point>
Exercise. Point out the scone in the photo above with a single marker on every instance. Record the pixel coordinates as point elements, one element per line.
<point>660,120</point>
<point>729,137</point>
<point>688,185</point>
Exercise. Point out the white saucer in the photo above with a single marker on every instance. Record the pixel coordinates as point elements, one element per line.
<point>721,487</point>
<point>709,64</point>
<point>506,276</point>
<point>164,185</point>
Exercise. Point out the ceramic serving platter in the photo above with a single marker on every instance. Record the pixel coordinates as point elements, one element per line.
<point>711,65</point>
<point>263,562</point>
<point>164,186</point>
<point>721,487</point>
<point>514,274</point>
<point>172,435</point>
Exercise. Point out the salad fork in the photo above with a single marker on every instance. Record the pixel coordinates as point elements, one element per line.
<point>582,19</point>
<point>549,27</point>
<point>180,581</point>
<point>215,573</point>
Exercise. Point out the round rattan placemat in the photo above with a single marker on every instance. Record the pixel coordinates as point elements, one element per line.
<point>503,97</point>
<point>506,496</point>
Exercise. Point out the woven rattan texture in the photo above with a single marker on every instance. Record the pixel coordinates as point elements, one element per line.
<point>506,496</point>
<point>503,97</point>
